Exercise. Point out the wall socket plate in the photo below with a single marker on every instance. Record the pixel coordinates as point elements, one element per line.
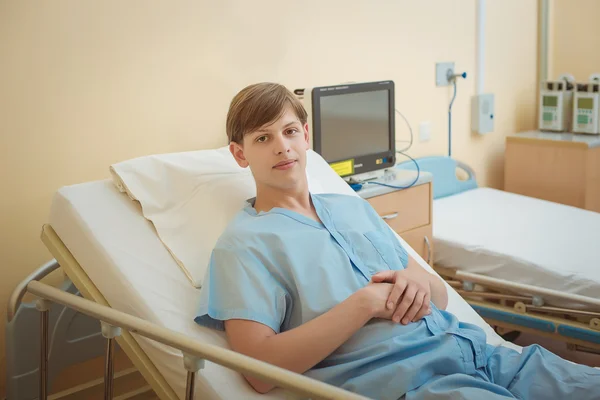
<point>441,73</point>
<point>425,131</point>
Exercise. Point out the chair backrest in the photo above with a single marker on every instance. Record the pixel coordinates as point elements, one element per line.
<point>443,170</point>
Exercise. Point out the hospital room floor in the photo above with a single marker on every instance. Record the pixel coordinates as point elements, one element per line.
<point>145,396</point>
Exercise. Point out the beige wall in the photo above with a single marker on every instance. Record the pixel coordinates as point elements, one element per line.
<point>574,38</point>
<point>87,84</point>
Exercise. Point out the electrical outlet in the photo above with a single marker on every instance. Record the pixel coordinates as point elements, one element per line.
<point>441,73</point>
<point>425,131</point>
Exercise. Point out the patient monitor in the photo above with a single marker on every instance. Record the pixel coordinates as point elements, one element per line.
<point>353,127</point>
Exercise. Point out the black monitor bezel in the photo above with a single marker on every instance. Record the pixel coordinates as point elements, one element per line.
<point>369,162</point>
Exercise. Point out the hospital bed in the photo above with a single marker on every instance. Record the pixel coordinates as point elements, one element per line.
<point>522,263</point>
<point>120,271</point>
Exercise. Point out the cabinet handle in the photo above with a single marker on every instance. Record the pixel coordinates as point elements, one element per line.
<point>390,216</point>
<point>428,250</point>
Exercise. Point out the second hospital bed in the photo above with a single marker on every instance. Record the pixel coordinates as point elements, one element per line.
<point>115,258</point>
<point>536,263</point>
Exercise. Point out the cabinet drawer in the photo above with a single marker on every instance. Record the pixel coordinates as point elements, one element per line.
<point>421,240</point>
<point>405,209</point>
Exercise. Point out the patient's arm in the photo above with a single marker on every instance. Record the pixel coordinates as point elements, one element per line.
<point>301,348</point>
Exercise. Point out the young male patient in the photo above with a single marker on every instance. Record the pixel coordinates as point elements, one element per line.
<point>318,284</point>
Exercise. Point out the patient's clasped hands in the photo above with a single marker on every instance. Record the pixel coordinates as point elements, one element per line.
<point>402,296</point>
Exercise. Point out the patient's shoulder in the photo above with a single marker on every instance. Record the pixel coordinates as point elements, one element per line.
<point>237,230</point>
<point>247,231</point>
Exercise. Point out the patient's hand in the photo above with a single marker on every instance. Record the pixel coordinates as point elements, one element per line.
<point>374,297</point>
<point>410,295</point>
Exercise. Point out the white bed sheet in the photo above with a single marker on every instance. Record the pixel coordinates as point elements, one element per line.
<point>518,238</point>
<point>121,253</point>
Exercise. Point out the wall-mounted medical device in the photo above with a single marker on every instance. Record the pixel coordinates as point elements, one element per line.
<point>586,107</point>
<point>556,105</point>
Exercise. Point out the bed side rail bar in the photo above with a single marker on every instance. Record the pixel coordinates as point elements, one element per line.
<point>14,301</point>
<point>518,287</point>
<point>195,352</point>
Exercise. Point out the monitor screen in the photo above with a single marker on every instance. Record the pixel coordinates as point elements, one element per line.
<point>585,103</point>
<point>354,124</point>
<point>550,101</point>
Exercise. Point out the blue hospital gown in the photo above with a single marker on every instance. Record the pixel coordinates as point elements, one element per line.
<point>283,269</point>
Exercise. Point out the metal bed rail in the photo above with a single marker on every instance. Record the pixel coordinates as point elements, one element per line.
<point>530,289</point>
<point>530,308</point>
<point>14,301</point>
<point>195,352</point>
<point>467,280</point>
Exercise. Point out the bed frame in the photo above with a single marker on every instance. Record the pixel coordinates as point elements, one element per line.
<point>75,337</point>
<point>120,327</point>
<point>129,345</point>
<point>506,305</point>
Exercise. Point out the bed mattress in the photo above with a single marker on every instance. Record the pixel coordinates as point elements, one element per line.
<point>518,238</point>
<point>122,255</point>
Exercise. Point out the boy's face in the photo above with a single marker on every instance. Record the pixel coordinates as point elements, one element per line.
<point>276,153</point>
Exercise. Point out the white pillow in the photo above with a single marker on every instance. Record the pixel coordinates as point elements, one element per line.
<point>190,198</point>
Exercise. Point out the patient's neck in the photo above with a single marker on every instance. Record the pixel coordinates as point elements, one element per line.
<point>296,199</point>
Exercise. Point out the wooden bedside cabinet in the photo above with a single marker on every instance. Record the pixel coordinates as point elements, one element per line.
<point>559,167</point>
<point>407,211</point>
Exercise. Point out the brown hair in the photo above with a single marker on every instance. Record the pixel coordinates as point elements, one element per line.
<point>257,105</point>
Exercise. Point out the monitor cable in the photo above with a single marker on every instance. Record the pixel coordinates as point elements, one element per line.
<point>402,152</point>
